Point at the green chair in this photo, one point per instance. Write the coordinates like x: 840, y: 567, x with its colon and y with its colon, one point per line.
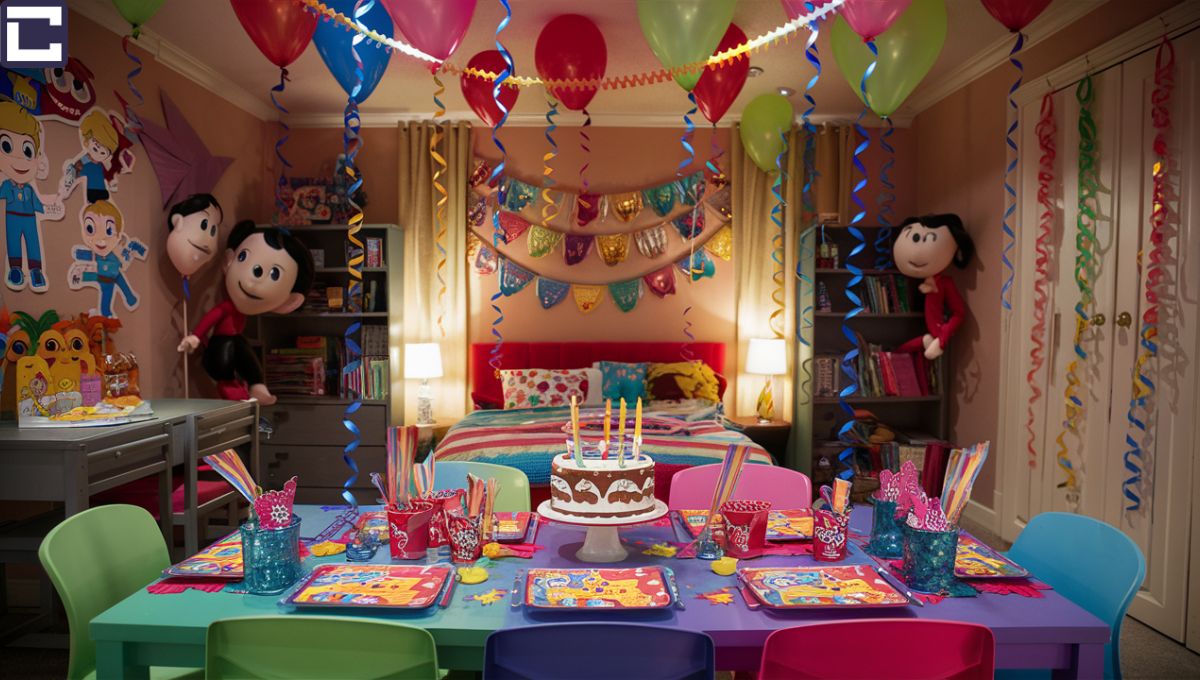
x: 96, y: 559
x: 319, y: 647
x: 514, y: 485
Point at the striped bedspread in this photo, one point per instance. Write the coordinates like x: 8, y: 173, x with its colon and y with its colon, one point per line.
x: 528, y: 439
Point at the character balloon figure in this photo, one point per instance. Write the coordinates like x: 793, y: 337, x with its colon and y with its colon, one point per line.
x: 194, y: 230
x: 926, y: 247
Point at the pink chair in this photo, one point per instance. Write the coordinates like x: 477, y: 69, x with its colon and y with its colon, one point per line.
x: 901, y: 649
x: 692, y: 488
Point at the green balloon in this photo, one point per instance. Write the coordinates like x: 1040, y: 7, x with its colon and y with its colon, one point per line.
x: 907, y: 51
x: 137, y: 12
x: 684, y: 31
x: 764, y: 121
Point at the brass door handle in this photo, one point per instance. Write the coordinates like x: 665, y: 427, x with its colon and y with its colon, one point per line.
x: 1098, y: 319
x: 1124, y: 319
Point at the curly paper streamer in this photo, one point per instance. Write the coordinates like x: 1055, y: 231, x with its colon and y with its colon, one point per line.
x: 845, y: 457
x: 1085, y: 273
x: 497, y: 232
x: 1047, y: 128
x: 549, y: 206
x: 887, y: 201
x: 1010, y: 192
x: 131, y: 118
x: 443, y: 200
x: 686, y: 142
x: 284, y: 130
x: 585, y: 145
x: 1141, y: 404
x: 778, y: 294
x: 808, y: 209
x: 713, y: 164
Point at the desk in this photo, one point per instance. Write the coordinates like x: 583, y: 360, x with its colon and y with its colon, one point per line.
x: 169, y: 630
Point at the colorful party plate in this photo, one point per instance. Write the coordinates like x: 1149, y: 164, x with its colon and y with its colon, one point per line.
x: 782, y: 525
x: 576, y: 589
x: 370, y: 586
x: 222, y: 559
x: 849, y: 586
x: 976, y: 560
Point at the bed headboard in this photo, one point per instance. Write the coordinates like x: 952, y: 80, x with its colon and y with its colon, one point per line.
x: 485, y: 385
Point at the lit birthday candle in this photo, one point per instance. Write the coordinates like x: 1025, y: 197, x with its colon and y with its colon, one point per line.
x: 575, y: 431
x: 637, y: 429
x: 607, y: 425
x: 621, y: 435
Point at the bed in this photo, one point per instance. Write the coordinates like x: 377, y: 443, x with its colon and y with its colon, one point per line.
x: 675, y: 436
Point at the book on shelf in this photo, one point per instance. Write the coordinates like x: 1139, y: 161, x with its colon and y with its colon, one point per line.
x: 886, y: 294
x: 374, y: 339
x: 368, y: 381
x: 374, y: 251
x: 894, y: 374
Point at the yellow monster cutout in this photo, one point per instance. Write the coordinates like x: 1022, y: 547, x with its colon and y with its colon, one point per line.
x: 77, y: 350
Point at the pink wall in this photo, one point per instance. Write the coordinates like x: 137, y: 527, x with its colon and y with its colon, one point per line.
x: 242, y: 191
x: 960, y: 165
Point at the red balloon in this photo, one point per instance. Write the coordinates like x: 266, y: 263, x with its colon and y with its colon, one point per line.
x: 718, y: 87
x: 478, y: 91
x: 280, y: 28
x: 869, y: 18
x: 570, y: 47
x: 1015, y: 14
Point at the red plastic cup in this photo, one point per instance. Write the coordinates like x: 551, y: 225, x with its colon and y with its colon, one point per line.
x: 466, y: 544
x: 745, y: 527
x: 829, y: 535
x: 408, y: 529
x: 446, y: 498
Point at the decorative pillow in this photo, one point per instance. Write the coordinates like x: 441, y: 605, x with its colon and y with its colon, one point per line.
x: 683, y: 380
x: 623, y: 381
x: 543, y: 387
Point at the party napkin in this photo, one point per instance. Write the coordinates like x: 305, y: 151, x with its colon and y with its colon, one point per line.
x: 274, y: 508
x: 926, y: 513
x: 176, y: 585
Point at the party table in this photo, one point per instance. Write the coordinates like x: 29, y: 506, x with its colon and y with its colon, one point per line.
x: 1050, y: 632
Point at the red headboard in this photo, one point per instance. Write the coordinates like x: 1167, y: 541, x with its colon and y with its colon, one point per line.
x: 485, y: 385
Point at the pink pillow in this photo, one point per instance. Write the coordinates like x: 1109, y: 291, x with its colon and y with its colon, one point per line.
x: 544, y: 387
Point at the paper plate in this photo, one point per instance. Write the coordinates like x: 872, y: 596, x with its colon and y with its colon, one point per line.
x: 590, y: 589
x: 370, y: 586
x: 827, y: 587
x: 976, y: 560
x: 222, y: 559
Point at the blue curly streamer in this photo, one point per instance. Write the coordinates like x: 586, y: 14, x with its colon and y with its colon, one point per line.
x: 1010, y: 192
x: 804, y: 323
x: 887, y: 201
x: 686, y: 142
x: 846, y: 456
x: 284, y: 131
x: 497, y: 230
x: 778, y: 295
x: 135, y: 123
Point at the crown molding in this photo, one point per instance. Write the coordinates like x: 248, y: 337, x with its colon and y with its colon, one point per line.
x: 379, y: 119
x: 173, y: 57
x: 1056, y: 17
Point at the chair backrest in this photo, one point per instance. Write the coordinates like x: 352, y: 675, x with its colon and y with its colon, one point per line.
x: 1090, y: 563
x: 899, y: 649
x: 318, y: 647
x: 599, y: 651
x: 95, y: 559
x: 514, y: 484
x: 692, y: 488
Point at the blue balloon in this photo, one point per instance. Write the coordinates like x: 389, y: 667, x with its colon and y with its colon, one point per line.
x: 333, y: 41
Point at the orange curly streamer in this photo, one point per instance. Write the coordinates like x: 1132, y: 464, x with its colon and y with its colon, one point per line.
x: 443, y: 200
x: 1046, y: 131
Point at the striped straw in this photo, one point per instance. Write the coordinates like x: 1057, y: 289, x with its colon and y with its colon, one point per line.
x: 229, y: 465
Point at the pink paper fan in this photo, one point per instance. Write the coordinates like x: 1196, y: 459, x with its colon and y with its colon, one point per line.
x: 274, y: 508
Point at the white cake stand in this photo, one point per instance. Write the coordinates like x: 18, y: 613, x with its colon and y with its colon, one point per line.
x: 602, y: 544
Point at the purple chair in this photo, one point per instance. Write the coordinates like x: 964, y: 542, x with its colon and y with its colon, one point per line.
x: 598, y: 651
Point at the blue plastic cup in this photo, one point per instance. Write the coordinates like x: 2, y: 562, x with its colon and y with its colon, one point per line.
x: 929, y: 559
x: 887, y: 540
x: 270, y: 557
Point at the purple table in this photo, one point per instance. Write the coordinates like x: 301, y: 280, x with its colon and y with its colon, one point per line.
x: 1030, y: 633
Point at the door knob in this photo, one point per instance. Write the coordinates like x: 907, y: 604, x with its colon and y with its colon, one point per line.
x: 1124, y: 319
x: 1098, y: 319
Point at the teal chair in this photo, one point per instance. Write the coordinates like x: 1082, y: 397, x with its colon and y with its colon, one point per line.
x: 1088, y: 562
x: 96, y: 559
x: 318, y: 647
x: 514, y: 485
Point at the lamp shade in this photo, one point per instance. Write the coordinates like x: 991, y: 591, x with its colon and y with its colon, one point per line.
x: 767, y: 356
x: 422, y: 360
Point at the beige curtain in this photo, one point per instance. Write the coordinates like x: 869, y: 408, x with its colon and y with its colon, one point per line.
x: 423, y: 302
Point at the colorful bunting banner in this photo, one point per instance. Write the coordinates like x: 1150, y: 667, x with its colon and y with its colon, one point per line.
x: 485, y: 261
x: 614, y: 248
x: 478, y: 212
x: 661, y: 199
x: 652, y: 242
x: 627, y: 206
x: 700, y: 267
x: 689, y: 225
x: 662, y: 281
x: 587, y: 208
x: 551, y: 292
x: 587, y: 298
x: 577, y: 247
x: 542, y: 240
x: 721, y: 243
x: 626, y: 293
x: 512, y: 225
x: 515, y: 194
x: 513, y: 277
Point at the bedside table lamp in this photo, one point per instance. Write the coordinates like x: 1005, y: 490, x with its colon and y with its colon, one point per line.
x: 422, y: 361
x: 767, y: 357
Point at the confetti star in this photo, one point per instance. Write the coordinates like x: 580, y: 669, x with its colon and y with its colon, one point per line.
x: 661, y: 550
x: 490, y: 597
x: 722, y: 596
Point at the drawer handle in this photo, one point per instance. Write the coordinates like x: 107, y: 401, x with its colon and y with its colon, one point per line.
x: 118, y: 454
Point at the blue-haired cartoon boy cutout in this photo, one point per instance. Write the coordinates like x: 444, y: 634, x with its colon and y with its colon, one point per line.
x: 23, y: 160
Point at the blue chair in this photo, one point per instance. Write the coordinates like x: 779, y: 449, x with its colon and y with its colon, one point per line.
x: 598, y: 651
x: 1088, y: 562
x: 514, y: 484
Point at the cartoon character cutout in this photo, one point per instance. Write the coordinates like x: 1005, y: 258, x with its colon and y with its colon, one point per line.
x: 105, y: 254
x: 925, y: 249
x: 68, y: 92
x: 193, y: 233
x: 22, y: 161
x: 106, y: 153
x: 24, y: 336
x: 267, y: 270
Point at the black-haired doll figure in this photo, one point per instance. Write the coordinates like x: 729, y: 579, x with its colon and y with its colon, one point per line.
x: 925, y: 249
x: 193, y: 233
x: 267, y: 270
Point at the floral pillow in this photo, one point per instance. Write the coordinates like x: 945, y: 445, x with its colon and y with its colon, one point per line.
x: 543, y: 387
x: 623, y: 381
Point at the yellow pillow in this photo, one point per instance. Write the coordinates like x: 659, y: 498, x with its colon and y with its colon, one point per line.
x: 694, y: 380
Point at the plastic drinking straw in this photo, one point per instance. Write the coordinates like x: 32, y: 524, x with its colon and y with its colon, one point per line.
x: 378, y: 482
x: 229, y: 465
x: 607, y: 427
x: 841, y: 495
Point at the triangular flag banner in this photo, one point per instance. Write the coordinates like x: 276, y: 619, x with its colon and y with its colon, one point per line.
x: 517, y: 194
x: 478, y: 212
x: 551, y: 292
x: 691, y: 189
x: 614, y: 248
x: 721, y: 243
x: 587, y: 207
x: 513, y: 277
x: 626, y: 205
x: 485, y: 260
x: 626, y: 293
x: 652, y: 242
x: 700, y: 267
x: 661, y: 282
x: 512, y: 226
x: 721, y: 202
x: 660, y: 198
x: 690, y: 224
x: 542, y: 240
x: 473, y: 244
x: 587, y: 298
x: 577, y: 247
x: 481, y: 173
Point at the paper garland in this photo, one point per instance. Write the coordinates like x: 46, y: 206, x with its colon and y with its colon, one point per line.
x: 652, y: 242
x: 576, y: 247
x: 513, y: 277
x: 721, y: 243
x: 613, y: 248
x: 587, y: 298
x: 626, y: 294
x: 542, y: 241
x: 551, y: 292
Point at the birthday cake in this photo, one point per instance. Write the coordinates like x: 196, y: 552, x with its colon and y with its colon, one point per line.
x: 602, y: 487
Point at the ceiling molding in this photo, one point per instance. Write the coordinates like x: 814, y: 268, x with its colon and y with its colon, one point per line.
x: 1055, y: 18
x: 171, y: 56
x: 619, y: 120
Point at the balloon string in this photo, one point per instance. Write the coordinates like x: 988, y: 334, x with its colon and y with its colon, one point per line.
x: 585, y: 144
x: 690, y: 152
x: 713, y: 164
x: 1143, y: 387
x: 1010, y: 192
x: 549, y: 205
x: 497, y: 230
x: 1047, y: 128
x: 1085, y: 272
x: 135, y: 123
x: 778, y: 295
x: 887, y: 201
x: 846, y: 456
x: 352, y: 143
x: 807, y: 252
x: 443, y: 199
x: 284, y: 130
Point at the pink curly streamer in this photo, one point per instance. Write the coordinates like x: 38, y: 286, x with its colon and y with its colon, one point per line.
x: 1046, y: 130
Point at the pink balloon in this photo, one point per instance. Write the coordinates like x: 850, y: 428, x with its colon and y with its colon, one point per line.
x: 796, y: 8
x: 436, y: 27
x: 1015, y: 14
x: 869, y: 18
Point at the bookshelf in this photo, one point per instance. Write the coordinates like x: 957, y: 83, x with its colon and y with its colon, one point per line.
x: 296, y: 348
x: 911, y: 401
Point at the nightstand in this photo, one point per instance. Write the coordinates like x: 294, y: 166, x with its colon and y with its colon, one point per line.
x: 429, y: 436
x: 772, y: 436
